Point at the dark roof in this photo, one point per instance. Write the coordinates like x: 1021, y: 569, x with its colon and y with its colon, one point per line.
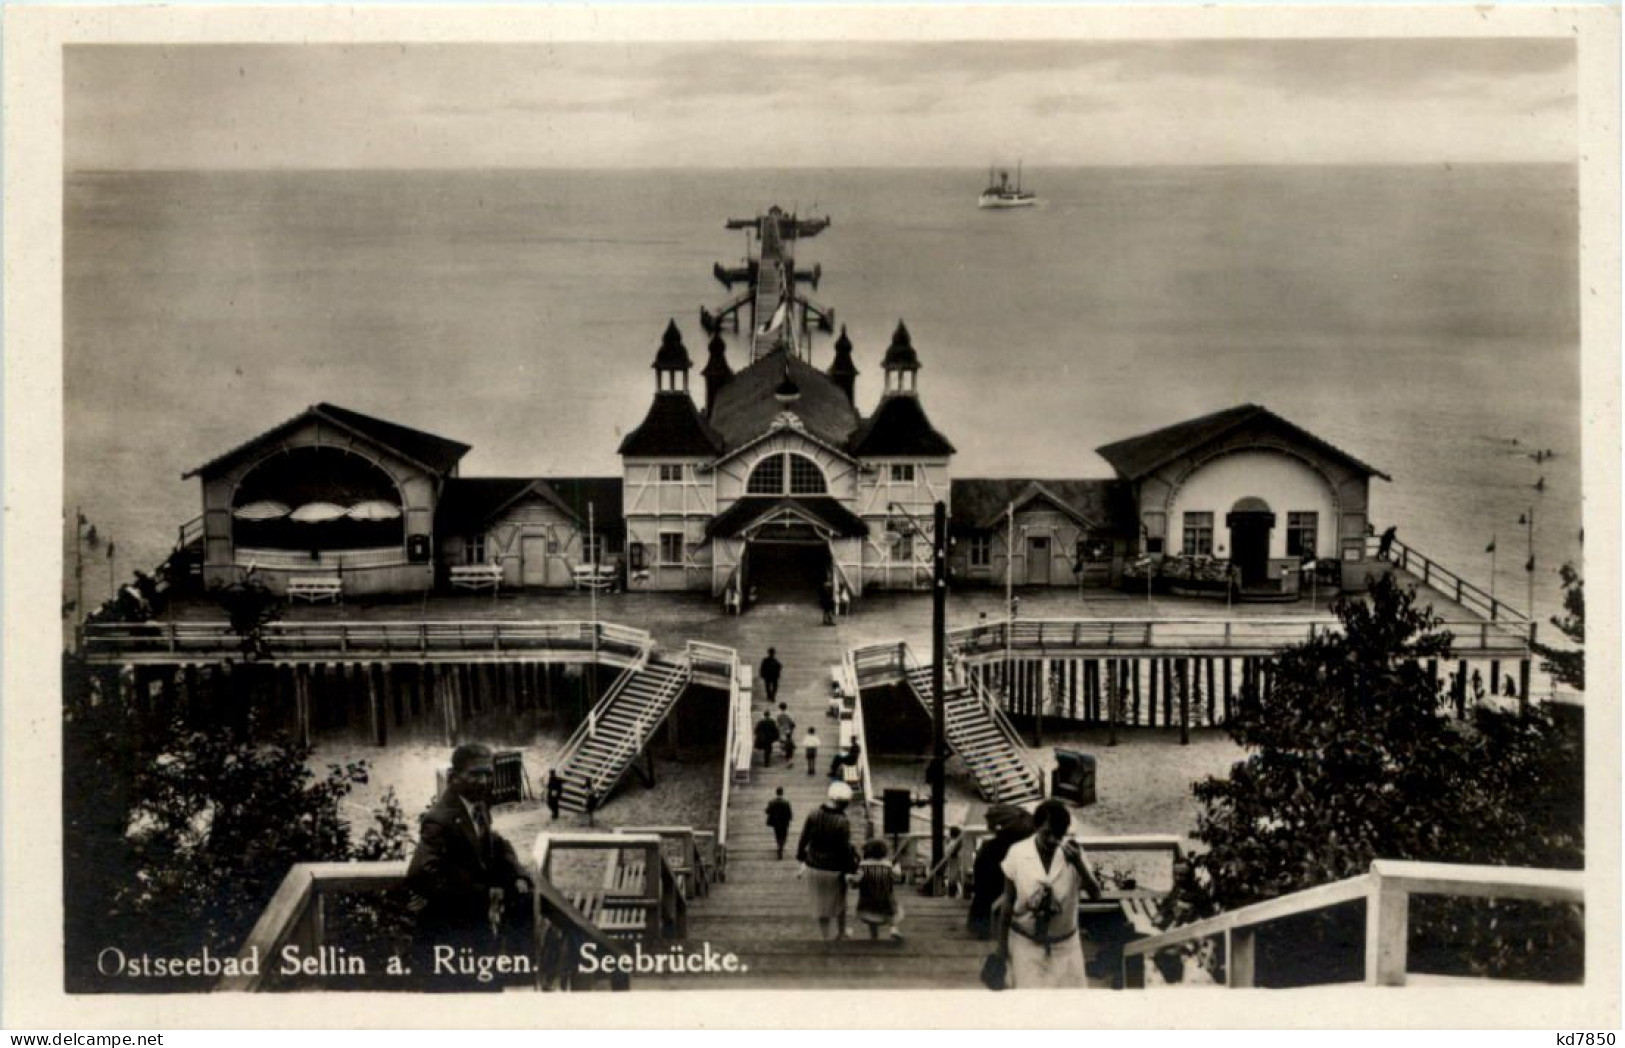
x: 842, y: 366
x: 900, y: 354
x: 604, y: 493
x: 674, y: 427
x: 745, y: 408
x: 436, y: 454
x: 899, y: 427
x: 672, y: 354
x: 469, y: 503
x: 822, y: 508
x: 1137, y: 456
x: 978, y: 503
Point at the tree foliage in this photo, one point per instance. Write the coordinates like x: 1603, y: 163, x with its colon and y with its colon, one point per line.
x: 177, y: 833
x: 1568, y: 665
x: 1357, y: 756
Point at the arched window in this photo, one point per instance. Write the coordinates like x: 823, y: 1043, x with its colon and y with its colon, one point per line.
x: 805, y: 476
x: 787, y: 474
x: 768, y: 477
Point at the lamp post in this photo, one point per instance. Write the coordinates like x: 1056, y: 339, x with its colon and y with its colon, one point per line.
x: 936, y: 772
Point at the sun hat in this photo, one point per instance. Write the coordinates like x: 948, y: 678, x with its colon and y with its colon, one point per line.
x: 840, y: 791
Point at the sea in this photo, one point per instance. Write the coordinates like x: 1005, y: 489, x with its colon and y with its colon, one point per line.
x: 1425, y: 319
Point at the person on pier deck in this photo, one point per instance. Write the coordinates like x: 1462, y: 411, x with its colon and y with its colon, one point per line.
x: 767, y: 736
x: 826, y: 857
x: 465, y: 883
x: 1043, y: 875
x: 779, y: 816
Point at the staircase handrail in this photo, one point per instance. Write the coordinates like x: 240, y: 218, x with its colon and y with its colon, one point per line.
x: 599, y: 709
x: 628, y: 744
x: 738, y: 706
x: 860, y: 736
x: 1386, y: 889
x: 973, y: 684
x: 1468, y: 595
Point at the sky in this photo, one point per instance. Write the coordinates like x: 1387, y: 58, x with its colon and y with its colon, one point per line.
x: 844, y: 104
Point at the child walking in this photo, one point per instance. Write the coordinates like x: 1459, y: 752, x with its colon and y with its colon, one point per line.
x: 876, y: 881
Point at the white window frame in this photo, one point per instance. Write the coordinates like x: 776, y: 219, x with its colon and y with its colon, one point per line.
x: 670, y: 472
x: 676, y: 538
x: 787, y: 469
x: 592, y: 549
x: 1192, y: 531
x: 981, y: 551
x: 902, y: 473
x: 1297, y: 527
x: 474, y: 548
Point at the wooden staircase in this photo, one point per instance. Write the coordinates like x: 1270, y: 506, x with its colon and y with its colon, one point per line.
x: 977, y: 732
x: 620, y: 726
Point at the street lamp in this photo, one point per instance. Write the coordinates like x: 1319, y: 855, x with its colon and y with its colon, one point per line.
x: 939, y: 644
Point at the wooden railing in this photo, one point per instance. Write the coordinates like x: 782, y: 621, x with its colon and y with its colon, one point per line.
x: 409, y: 641
x: 866, y: 783
x: 640, y: 901
x: 327, y: 561
x: 296, y: 916
x: 878, y: 663
x: 713, y: 664
x: 683, y: 853
x: 1386, y: 891
x: 626, y: 747
x: 1242, y: 636
x: 1452, y: 585
x: 189, y: 532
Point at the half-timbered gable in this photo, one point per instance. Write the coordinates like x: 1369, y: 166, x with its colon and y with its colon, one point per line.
x: 1033, y: 532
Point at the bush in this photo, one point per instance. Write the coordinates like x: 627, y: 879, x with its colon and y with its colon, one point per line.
x: 1357, y: 758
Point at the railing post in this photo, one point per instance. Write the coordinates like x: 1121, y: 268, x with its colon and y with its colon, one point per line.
x: 169, y: 631
x: 1387, y: 922
x: 1240, y: 955
x: 1458, y: 589
x: 1227, y: 633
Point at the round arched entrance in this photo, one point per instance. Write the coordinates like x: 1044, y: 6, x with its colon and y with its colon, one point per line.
x: 1250, y: 521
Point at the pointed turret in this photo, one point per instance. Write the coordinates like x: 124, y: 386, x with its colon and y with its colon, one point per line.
x: 671, y: 360
x: 717, y: 372
x: 899, y: 426
x: 902, y: 364
x: 673, y: 427
x: 842, y: 371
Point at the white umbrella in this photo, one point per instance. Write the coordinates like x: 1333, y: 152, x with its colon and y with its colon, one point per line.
x: 374, y: 509
x: 316, y: 512
x: 264, y: 510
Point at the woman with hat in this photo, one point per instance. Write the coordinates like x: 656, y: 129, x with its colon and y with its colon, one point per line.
x: 1006, y: 824
x: 826, y: 857
x: 1038, y: 928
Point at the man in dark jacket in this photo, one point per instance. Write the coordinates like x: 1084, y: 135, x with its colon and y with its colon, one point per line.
x: 779, y: 816
x: 467, y: 888
x: 767, y: 734
x: 770, y: 670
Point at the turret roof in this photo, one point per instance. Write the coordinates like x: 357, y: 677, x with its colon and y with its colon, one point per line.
x: 672, y: 428
x: 899, y: 426
x: 900, y: 355
x: 672, y: 355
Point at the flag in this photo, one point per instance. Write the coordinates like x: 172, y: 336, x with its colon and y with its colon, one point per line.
x: 1491, y: 547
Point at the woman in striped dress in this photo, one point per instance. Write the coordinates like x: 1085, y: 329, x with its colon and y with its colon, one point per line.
x: 826, y: 858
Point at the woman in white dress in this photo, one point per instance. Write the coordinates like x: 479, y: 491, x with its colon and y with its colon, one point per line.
x: 1038, y: 925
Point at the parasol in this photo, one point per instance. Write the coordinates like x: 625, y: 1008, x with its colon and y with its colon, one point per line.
x: 263, y: 510
x: 316, y: 513
x: 374, y: 509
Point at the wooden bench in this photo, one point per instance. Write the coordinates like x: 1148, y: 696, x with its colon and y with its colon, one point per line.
x: 315, y: 587
x: 585, y: 576
x: 476, y: 576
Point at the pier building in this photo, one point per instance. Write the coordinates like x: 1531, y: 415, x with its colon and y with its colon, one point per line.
x: 774, y: 482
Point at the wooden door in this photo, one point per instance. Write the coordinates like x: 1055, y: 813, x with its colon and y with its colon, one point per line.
x: 1038, y: 560
x: 533, y: 556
